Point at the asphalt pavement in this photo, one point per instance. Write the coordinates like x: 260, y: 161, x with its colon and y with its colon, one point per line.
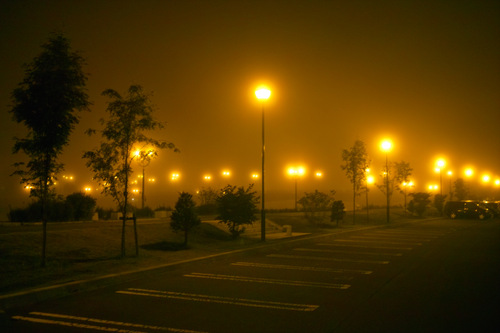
x: 434, y: 276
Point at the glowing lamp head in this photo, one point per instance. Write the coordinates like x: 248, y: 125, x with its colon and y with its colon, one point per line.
x: 386, y: 145
x: 263, y: 93
x: 440, y: 163
x: 469, y: 172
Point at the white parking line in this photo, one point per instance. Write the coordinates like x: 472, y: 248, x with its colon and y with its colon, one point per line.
x: 371, y: 241
x: 220, y: 299
x: 302, y: 268
x: 389, y: 237
x: 365, y: 246
x: 85, y: 320
x: 328, y: 259
x: 350, y: 252
x: 270, y: 281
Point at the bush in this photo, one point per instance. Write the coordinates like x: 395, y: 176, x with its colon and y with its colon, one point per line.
x: 80, y: 207
x: 76, y: 207
x: 316, y: 206
x: 144, y: 212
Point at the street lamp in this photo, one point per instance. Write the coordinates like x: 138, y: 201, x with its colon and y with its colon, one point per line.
x: 296, y: 173
x: 440, y: 165
x: 144, y: 158
x: 450, y: 174
x: 263, y: 94
x: 386, y: 146
x: 369, y: 180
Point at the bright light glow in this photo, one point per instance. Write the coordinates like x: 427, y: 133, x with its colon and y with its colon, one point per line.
x: 174, y: 176
x: 255, y: 175
x: 433, y: 187
x: 469, y: 172
x: 497, y: 182
x: 226, y: 173
x: 151, y: 180
x: 319, y: 174
x: 386, y: 145
x: 440, y: 163
x: 486, y: 178
x: 262, y: 93
x: 135, y: 191
x: 137, y: 153
x: 207, y: 177
x: 87, y: 189
x: 370, y: 179
x: 296, y: 171
x: 437, y: 170
x: 450, y: 173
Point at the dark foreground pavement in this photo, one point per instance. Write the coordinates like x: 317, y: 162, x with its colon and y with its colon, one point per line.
x: 433, y: 276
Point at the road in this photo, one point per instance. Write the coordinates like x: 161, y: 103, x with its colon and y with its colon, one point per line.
x: 434, y: 276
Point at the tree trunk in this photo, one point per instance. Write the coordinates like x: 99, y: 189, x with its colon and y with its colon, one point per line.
x: 136, y: 238
x: 354, y: 202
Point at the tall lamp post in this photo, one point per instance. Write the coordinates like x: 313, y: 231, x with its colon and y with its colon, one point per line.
x: 263, y: 94
x: 386, y: 147
x: 450, y: 173
x: 144, y: 160
x: 296, y: 173
x: 440, y: 165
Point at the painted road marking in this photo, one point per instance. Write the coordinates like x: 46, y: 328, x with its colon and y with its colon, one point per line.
x: 269, y: 281
x: 328, y: 259
x: 384, y: 237
x: 220, y: 299
x: 365, y: 246
x: 302, y: 268
x: 370, y: 241
x: 86, y: 320
x: 349, y: 252
x: 410, y: 233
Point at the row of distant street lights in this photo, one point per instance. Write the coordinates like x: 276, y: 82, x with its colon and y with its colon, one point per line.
x: 263, y: 93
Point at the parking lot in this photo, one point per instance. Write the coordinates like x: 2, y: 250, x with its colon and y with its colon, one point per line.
x: 433, y: 276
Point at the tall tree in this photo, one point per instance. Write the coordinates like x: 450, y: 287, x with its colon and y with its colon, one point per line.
x: 46, y: 102
x: 129, y: 118
x: 355, y: 164
x: 403, y: 173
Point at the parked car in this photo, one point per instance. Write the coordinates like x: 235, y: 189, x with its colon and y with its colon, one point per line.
x: 493, y: 207
x: 466, y: 209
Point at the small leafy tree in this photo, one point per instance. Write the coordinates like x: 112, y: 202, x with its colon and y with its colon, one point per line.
x: 184, y: 217
x: 420, y: 202
x: 403, y: 173
x: 316, y: 205
x: 338, y: 211
x: 237, y: 207
x: 439, y: 203
x: 355, y: 164
x: 461, y: 190
x: 129, y: 118
x: 46, y: 100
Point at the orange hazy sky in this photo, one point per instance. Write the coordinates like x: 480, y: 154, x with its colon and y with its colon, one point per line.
x: 424, y: 73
